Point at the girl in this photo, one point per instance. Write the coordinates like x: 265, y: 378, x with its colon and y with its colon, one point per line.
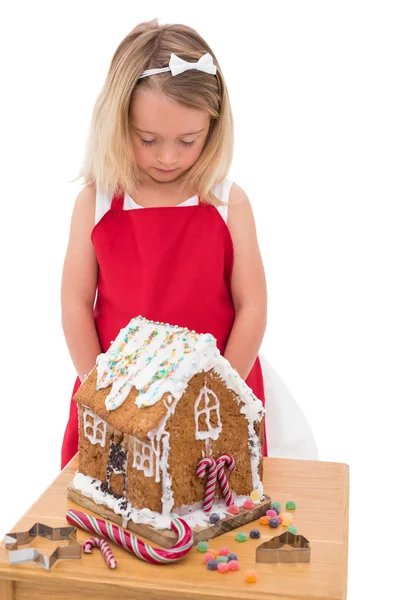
x: 158, y: 230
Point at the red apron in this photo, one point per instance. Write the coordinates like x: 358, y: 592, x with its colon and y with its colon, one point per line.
x: 171, y: 264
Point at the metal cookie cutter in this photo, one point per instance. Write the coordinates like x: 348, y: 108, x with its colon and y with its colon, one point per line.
x: 20, y: 538
x: 273, y: 552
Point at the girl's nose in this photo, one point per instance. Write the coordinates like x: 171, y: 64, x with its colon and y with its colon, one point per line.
x: 167, y: 158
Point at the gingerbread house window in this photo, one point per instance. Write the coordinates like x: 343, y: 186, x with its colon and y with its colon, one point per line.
x: 94, y: 427
x: 206, y: 414
x: 143, y: 457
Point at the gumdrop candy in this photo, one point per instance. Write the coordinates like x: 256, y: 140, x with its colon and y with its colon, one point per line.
x: 279, y: 519
x: 212, y: 565
x: 222, y: 559
x: 208, y: 557
x: 292, y: 529
x: 214, y: 518
x: 275, y: 505
x: 255, y: 534
x: 213, y: 552
x: 271, y: 513
x: 287, y: 519
x: 233, y: 509
x: 290, y: 505
x: 241, y: 536
x: 250, y: 576
x: 255, y: 495
x: 234, y: 565
x: 223, y: 567
x: 248, y: 504
x: 232, y: 556
x: 264, y: 520
x: 274, y: 523
x: 202, y: 546
x: 224, y: 551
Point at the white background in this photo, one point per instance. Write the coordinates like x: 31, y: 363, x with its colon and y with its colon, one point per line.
x: 315, y: 92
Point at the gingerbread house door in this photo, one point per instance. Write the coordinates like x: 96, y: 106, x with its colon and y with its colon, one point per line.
x: 116, y: 470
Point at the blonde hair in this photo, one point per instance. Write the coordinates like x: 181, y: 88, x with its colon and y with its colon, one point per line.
x: 108, y: 158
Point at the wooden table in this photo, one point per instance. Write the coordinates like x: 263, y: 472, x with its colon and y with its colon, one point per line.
x: 320, y: 490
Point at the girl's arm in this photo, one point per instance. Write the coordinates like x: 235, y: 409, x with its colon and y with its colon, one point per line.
x: 79, y: 283
x: 249, y: 288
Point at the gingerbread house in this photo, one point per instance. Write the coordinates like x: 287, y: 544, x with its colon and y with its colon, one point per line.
x: 158, y: 401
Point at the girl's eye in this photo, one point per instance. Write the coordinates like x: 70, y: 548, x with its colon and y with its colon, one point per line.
x: 147, y: 143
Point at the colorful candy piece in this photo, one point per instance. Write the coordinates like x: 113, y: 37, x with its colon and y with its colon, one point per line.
x: 223, y: 567
x: 212, y: 565
x: 202, y: 546
x: 274, y: 523
x: 241, y: 536
x: 232, y: 556
x: 279, y: 519
x: 234, y: 565
x: 214, y: 518
x: 255, y: 495
x: 255, y: 534
x: 290, y: 505
x: 271, y: 513
x: 275, y: 505
x: 292, y: 529
x: 224, y: 551
x: 208, y: 556
x: 212, y: 551
x: 233, y: 509
x: 264, y: 520
x: 222, y: 559
x: 250, y: 576
x: 248, y: 504
x: 287, y: 519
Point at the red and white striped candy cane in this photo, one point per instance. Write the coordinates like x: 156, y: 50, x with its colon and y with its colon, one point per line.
x: 229, y: 461
x: 129, y: 542
x: 105, y: 550
x: 210, y: 464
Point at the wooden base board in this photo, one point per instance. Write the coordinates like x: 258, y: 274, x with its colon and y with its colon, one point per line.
x: 166, y: 537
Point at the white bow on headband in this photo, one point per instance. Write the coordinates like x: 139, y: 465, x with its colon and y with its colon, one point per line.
x: 178, y: 65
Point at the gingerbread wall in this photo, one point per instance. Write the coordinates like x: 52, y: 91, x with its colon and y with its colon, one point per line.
x: 186, y: 450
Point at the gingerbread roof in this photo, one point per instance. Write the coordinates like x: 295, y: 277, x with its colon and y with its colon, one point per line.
x: 150, y: 361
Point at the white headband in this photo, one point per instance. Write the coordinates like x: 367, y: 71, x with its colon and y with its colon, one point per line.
x: 178, y: 65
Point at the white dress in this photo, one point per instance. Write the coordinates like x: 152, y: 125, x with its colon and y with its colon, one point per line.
x: 288, y: 432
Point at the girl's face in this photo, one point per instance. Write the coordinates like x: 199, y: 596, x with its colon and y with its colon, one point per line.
x: 167, y: 138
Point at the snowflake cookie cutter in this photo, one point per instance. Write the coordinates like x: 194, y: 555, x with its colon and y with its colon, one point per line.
x: 284, y: 548
x: 18, y: 555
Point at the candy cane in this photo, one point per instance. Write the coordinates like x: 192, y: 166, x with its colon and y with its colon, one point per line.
x: 105, y: 550
x: 222, y: 478
x: 210, y: 464
x: 129, y: 542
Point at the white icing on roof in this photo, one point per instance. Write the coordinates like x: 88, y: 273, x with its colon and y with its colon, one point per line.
x: 158, y: 358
